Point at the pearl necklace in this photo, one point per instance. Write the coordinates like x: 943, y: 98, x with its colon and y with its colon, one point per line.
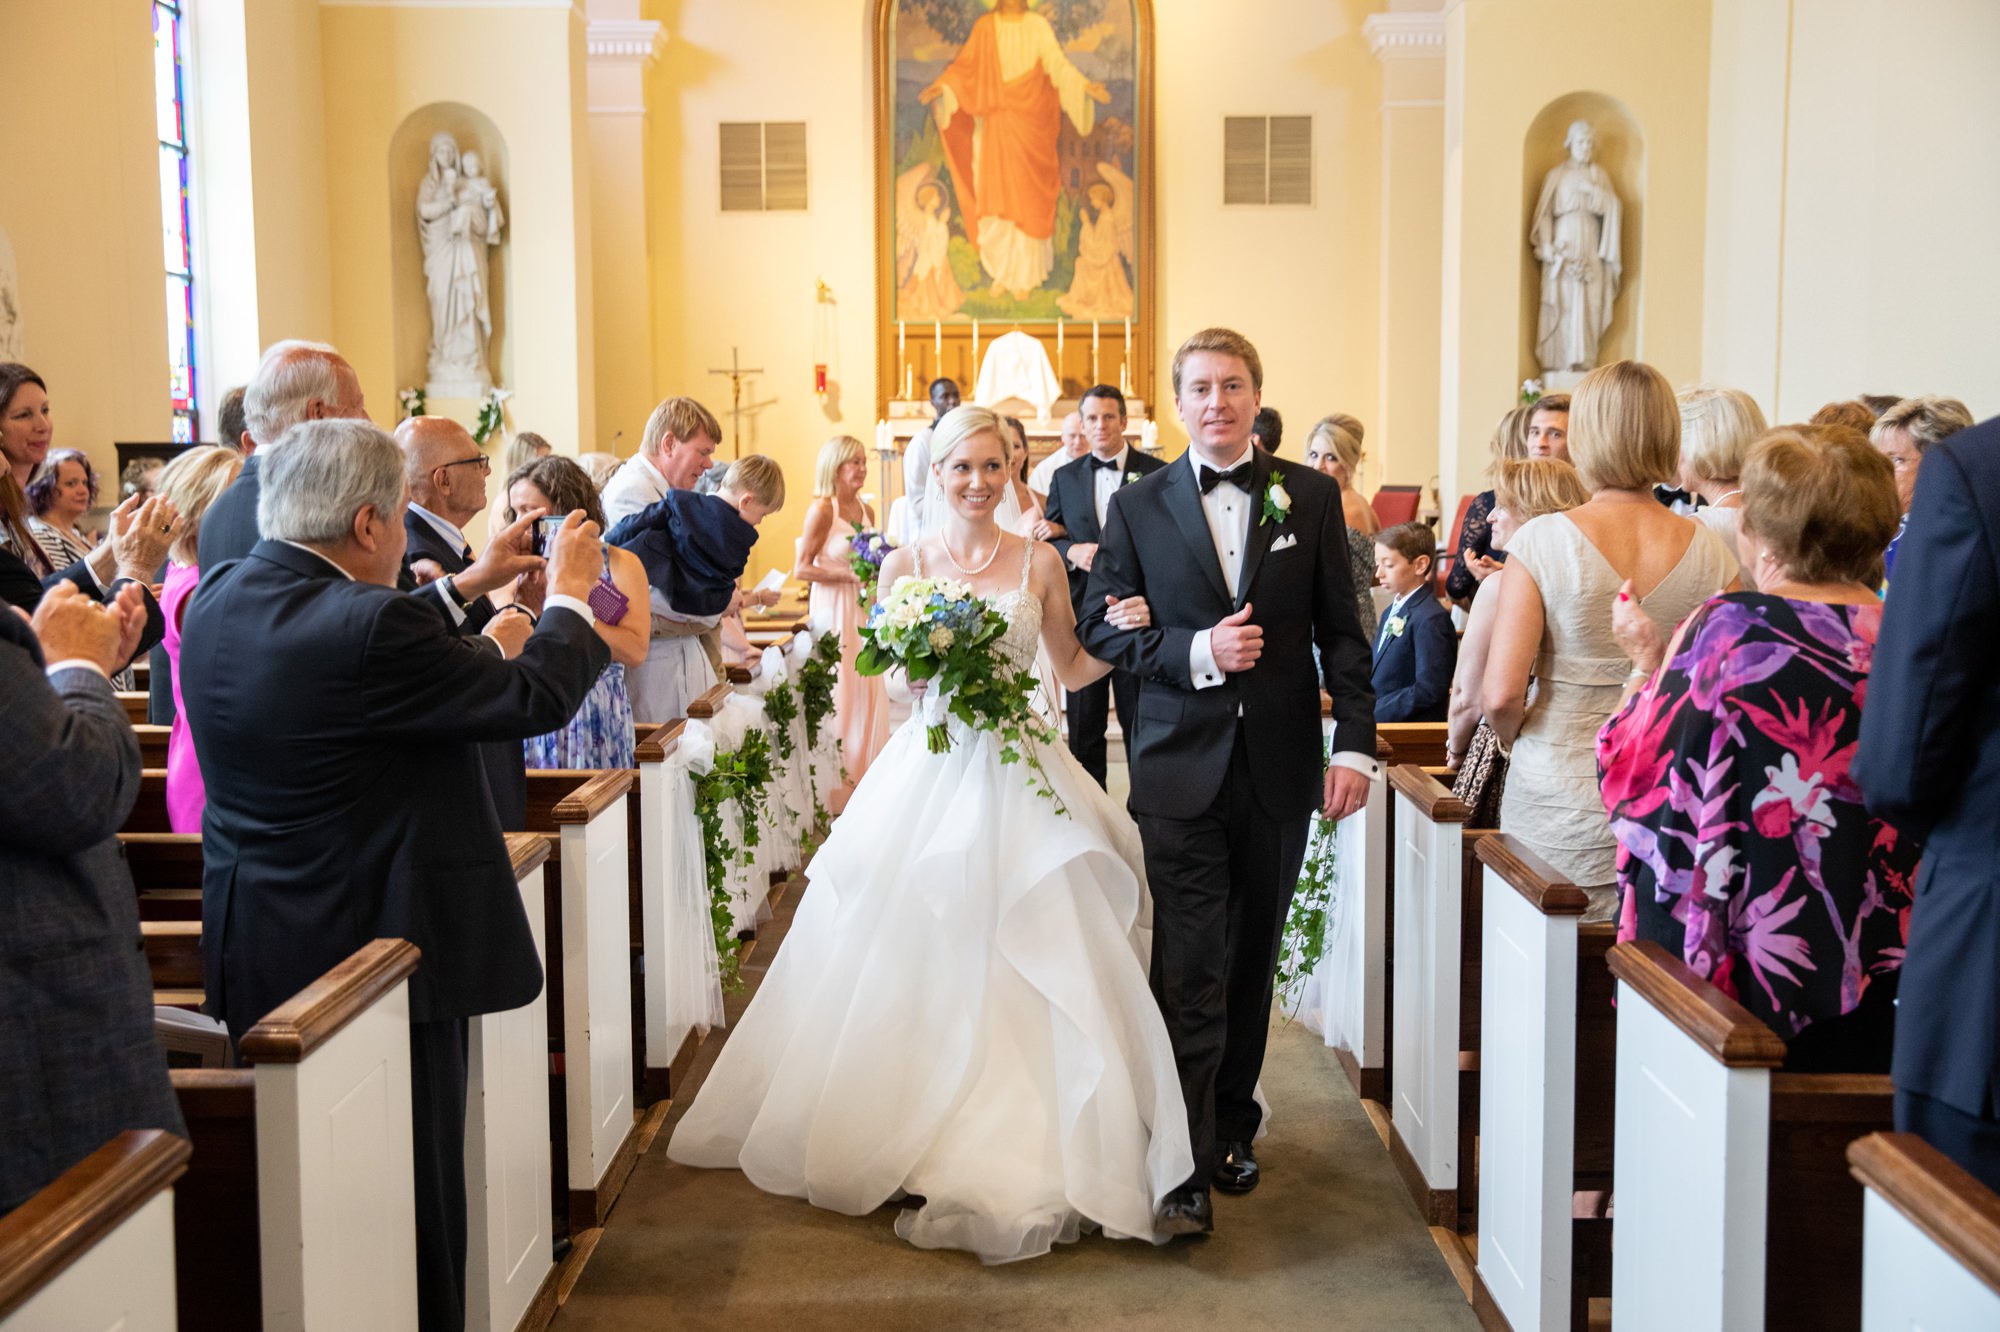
x: 970, y: 573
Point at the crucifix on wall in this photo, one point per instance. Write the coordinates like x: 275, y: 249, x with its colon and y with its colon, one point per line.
x: 737, y: 372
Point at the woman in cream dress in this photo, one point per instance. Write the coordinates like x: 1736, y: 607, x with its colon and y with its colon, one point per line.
x: 1565, y: 573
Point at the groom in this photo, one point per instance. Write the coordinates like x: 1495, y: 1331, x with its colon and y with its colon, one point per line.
x: 1243, y: 559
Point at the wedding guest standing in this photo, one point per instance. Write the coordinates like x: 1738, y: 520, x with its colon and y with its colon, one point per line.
x: 1929, y: 763
x: 192, y: 482
x: 1564, y: 572
x: 1904, y: 434
x: 1416, y: 647
x: 917, y: 462
x: 1718, y: 426
x: 59, y: 497
x: 1334, y: 449
x: 836, y: 515
x: 1743, y: 846
x: 1071, y: 448
x: 1475, y: 559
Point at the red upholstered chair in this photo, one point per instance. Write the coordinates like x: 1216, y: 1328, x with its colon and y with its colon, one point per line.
x: 1398, y: 504
x: 1450, y: 556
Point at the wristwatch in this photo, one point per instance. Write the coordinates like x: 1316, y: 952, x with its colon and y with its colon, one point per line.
x: 458, y: 598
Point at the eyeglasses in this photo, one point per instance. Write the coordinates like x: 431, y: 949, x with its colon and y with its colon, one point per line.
x: 482, y: 462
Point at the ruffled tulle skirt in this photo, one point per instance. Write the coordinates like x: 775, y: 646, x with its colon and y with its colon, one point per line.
x: 960, y: 1013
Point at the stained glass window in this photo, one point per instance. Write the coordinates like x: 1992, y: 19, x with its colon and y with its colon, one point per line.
x: 170, y: 113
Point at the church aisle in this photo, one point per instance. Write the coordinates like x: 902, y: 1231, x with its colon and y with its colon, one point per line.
x: 1329, y: 1241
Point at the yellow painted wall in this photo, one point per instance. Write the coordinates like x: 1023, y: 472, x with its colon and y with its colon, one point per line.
x: 1301, y: 282
x: 1854, y: 182
x: 1506, y: 61
x: 82, y: 208
x: 522, y: 68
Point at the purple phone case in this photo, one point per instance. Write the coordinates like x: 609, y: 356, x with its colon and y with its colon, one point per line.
x: 608, y: 602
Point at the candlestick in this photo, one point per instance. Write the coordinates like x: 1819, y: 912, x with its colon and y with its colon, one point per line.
x: 885, y: 438
x: 908, y: 389
x: 975, y: 349
x: 937, y: 347
x: 1095, y: 378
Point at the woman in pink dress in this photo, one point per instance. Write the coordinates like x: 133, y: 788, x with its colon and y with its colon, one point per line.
x: 836, y: 515
x: 190, y: 483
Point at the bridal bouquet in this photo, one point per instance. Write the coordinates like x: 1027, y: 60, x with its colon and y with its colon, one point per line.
x: 941, y: 632
x: 865, y: 554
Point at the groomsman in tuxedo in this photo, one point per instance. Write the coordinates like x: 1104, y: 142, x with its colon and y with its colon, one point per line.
x: 1929, y: 762
x: 1243, y: 557
x: 1079, y: 497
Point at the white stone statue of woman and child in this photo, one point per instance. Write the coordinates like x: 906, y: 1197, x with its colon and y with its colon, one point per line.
x: 458, y: 220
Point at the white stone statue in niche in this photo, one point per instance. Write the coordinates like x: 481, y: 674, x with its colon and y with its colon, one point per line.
x: 11, y: 345
x: 1576, y: 237
x: 458, y: 219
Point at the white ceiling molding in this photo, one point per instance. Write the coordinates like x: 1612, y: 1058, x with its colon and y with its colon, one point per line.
x: 625, y: 39
x: 1405, y: 36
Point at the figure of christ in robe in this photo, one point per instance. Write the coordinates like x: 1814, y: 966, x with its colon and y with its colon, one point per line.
x: 999, y: 108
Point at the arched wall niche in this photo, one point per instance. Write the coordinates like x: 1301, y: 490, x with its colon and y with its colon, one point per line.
x: 409, y: 158
x: 1620, y: 148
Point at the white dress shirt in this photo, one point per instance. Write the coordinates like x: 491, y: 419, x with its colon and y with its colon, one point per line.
x: 631, y: 488
x: 1105, y: 481
x: 444, y: 527
x: 1043, y: 474
x: 916, y: 482
x: 1395, y: 609
x: 1228, y: 511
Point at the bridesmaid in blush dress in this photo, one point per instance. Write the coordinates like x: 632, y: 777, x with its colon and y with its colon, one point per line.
x: 190, y: 483
x: 836, y: 515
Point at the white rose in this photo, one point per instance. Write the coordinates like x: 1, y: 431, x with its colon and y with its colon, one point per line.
x: 941, y: 637
x: 1280, y: 496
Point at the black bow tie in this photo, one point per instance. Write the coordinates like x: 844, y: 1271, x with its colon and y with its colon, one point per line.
x: 1239, y: 476
x: 1096, y: 461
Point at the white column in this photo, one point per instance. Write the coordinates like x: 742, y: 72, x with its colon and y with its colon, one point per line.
x: 1409, y: 41
x: 621, y: 48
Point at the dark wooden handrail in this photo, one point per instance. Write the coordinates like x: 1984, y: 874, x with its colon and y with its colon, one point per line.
x: 736, y: 675
x: 1937, y: 1195
x: 526, y: 851
x: 710, y: 703
x: 300, y: 1025
x: 593, y: 797
x: 1728, y: 1031
x: 1415, y: 742
x: 44, y: 1235
x: 1547, y: 891
x: 655, y: 746
x: 1429, y: 795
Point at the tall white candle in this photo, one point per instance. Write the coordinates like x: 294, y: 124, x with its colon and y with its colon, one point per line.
x: 975, y: 348
x: 937, y: 347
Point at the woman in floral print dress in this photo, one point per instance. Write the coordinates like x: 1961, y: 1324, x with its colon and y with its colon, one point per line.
x: 1743, y: 845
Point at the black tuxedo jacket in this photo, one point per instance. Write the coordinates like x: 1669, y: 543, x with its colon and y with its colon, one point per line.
x: 1156, y: 542
x: 1073, y: 504
x: 20, y: 587
x: 1929, y: 762
x: 338, y: 725
x: 1413, y: 670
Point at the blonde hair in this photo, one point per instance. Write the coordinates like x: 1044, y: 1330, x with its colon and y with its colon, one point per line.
x: 758, y: 477
x: 683, y: 418
x: 1530, y: 487
x: 1509, y: 442
x: 1823, y: 501
x: 1342, y: 434
x: 1926, y: 419
x: 833, y: 455
x: 192, y: 482
x: 1718, y: 426
x: 959, y: 425
x: 1624, y: 427
x: 1228, y: 342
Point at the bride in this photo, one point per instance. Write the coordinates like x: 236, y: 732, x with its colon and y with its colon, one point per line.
x: 959, y: 1015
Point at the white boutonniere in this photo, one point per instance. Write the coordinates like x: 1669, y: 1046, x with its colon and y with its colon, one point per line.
x: 1277, y: 503
x: 1396, y: 626
x: 1130, y: 477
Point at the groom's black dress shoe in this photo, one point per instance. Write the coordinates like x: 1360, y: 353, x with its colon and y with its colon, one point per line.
x: 1237, y: 1171
x: 1185, y: 1212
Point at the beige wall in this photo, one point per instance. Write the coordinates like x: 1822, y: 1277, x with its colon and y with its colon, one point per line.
x: 1853, y: 187
x: 82, y: 209
x: 1505, y: 63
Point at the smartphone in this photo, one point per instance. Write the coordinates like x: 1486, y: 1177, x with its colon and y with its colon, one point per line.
x: 542, y: 538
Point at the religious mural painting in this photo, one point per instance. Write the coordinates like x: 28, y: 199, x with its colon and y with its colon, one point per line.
x: 1016, y: 162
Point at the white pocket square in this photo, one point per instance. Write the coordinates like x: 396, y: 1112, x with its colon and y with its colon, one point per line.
x: 1285, y: 542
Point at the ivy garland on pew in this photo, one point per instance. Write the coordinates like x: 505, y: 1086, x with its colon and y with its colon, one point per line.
x: 816, y: 684
x: 1304, y: 943
x: 742, y: 775
x: 781, y: 707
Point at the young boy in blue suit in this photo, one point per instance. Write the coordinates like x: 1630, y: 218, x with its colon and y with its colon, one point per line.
x: 1416, y: 647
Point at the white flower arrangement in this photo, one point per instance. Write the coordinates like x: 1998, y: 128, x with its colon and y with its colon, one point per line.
x: 1277, y: 503
x: 1396, y: 625
x: 1130, y: 477
x: 412, y: 399
x: 1531, y: 391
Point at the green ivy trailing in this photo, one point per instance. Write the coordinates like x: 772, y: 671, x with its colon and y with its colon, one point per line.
x: 1304, y: 943
x: 742, y: 775
x: 816, y: 684
x: 781, y: 707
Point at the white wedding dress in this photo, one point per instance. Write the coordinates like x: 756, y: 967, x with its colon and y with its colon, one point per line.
x: 960, y: 1011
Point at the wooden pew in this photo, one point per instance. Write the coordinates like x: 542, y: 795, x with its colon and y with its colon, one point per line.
x: 134, y: 701
x: 142, y: 673
x: 510, y: 1276
x: 149, y: 813
x: 95, y: 1249
x: 152, y: 744
x: 1435, y: 1109
x: 1931, y: 1248
x: 665, y: 1054
x: 1421, y: 743
x: 166, y: 870
x: 298, y: 1211
x: 1736, y: 1170
x: 587, y: 891
x: 173, y: 956
x: 1547, y: 1070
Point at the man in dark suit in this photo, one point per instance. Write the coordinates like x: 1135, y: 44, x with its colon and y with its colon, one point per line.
x: 1243, y: 558
x: 1929, y: 762
x: 337, y: 721
x: 77, y: 1039
x: 1079, y: 496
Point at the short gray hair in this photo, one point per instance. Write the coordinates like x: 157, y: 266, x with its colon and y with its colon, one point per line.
x: 325, y: 473
x: 292, y: 375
